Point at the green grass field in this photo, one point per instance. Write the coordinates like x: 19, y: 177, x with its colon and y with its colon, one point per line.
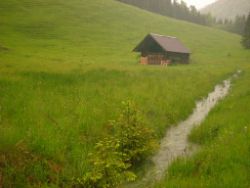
x: 65, y: 68
x: 225, y: 146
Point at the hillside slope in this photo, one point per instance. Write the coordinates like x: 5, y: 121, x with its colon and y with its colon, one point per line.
x: 229, y: 9
x: 65, y: 68
x: 60, y: 33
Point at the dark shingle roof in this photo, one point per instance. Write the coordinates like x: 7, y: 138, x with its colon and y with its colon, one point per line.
x: 167, y: 43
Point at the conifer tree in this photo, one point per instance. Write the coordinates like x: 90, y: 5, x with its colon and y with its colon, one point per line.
x: 246, y: 34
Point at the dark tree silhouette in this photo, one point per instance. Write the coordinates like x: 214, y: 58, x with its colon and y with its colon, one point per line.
x: 180, y: 10
x: 246, y: 34
x: 172, y: 9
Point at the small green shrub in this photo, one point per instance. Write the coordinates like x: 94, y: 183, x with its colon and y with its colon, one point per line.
x: 114, y: 156
x: 137, y: 141
x: 108, y: 168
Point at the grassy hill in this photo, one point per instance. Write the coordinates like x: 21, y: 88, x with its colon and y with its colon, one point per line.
x: 229, y: 9
x: 65, y: 68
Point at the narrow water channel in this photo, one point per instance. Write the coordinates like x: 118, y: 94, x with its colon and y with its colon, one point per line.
x: 175, y: 143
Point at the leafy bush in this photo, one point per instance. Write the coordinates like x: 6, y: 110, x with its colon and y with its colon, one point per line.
x: 137, y: 141
x: 108, y: 168
x: 114, y: 156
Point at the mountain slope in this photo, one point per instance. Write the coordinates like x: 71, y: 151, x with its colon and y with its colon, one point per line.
x: 65, y: 68
x: 229, y: 9
x: 42, y: 35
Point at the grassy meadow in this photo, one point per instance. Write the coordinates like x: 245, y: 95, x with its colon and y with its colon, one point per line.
x: 65, y: 68
x: 224, y: 137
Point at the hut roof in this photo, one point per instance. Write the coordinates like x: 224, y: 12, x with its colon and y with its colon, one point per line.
x: 166, y: 43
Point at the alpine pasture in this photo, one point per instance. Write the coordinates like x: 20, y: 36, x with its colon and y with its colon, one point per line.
x: 66, y: 67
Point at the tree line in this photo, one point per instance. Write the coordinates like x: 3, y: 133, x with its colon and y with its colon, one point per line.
x: 246, y: 34
x: 172, y: 9
x: 236, y: 26
x: 180, y: 10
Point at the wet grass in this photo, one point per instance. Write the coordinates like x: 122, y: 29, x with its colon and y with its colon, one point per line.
x: 69, y: 66
x: 223, y: 160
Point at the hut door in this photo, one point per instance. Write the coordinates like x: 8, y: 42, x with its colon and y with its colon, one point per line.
x: 155, y: 59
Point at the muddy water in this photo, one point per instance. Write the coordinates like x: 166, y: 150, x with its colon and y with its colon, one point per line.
x: 175, y: 143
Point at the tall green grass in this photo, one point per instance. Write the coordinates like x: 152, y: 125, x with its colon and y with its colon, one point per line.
x: 65, y: 68
x: 223, y: 160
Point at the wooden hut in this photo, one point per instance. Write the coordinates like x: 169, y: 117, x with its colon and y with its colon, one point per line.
x: 162, y: 50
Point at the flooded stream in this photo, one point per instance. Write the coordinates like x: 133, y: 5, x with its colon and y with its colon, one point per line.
x: 175, y: 143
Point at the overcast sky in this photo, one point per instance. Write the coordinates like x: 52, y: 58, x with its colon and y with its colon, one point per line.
x: 199, y: 3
